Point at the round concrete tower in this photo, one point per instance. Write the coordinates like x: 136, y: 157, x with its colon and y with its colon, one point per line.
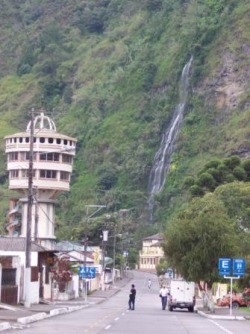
x: 52, y: 161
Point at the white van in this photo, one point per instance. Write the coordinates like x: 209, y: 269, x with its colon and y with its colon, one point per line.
x: 182, y: 295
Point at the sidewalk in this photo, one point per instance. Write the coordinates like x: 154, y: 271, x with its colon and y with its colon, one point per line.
x: 19, y: 316
x: 223, y: 312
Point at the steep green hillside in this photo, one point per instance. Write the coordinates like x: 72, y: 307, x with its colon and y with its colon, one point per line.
x: 107, y: 71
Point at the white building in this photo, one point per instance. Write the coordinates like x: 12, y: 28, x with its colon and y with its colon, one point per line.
x: 49, y: 169
x: 52, y: 161
x: 12, y: 274
x: 151, y: 252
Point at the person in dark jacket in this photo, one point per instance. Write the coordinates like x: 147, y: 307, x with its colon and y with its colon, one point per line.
x: 132, y: 294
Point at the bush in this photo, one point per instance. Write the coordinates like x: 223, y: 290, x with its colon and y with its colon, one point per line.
x: 240, y: 174
x: 27, y: 60
x: 212, y: 164
x: 152, y: 5
x: 107, y: 179
x: 246, y: 166
x: 206, y: 180
x: 215, y: 174
x: 232, y: 162
x: 189, y: 181
x: 196, y: 190
x: 24, y: 69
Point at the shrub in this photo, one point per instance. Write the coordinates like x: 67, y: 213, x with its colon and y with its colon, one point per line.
x: 246, y: 166
x: 239, y: 173
x: 23, y: 69
x: 107, y: 179
x: 152, y: 5
x: 206, y: 180
x: 189, y: 181
x: 196, y: 190
x: 232, y: 162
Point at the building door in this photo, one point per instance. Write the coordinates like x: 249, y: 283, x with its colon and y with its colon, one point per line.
x: 9, y: 288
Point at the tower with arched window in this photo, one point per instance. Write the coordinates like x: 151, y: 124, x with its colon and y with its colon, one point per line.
x: 52, y: 159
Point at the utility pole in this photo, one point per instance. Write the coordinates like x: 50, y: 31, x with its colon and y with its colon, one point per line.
x: 104, y: 241
x: 85, y: 266
x: 36, y: 216
x: 29, y: 217
x: 95, y: 208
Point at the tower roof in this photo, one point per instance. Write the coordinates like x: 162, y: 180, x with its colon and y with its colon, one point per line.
x: 42, y: 122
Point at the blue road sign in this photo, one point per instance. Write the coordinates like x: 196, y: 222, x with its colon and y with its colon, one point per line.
x: 86, y: 272
x: 225, y: 265
x: 239, y: 267
x: 169, y: 272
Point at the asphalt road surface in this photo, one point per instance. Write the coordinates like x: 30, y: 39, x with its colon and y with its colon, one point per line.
x: 113, y: 317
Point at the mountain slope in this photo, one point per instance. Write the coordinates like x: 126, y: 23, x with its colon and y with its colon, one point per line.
x: 108, y: 71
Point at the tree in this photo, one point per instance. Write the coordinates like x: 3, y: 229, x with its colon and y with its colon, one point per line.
x: 236, y: 200
x: 161, y: 268
x: 232, y: 162
x: 246, y: 166
x: 206, y: 180
x: 239, y: 173
x: 198, y: 236
x: 196, y: 190
x: 61, y: 271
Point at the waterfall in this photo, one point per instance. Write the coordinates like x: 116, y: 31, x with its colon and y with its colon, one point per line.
x: 162, y: 157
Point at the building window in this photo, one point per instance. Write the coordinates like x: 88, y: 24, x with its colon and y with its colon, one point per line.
x: 27, y: 140
x: 65, y: 142
x: 42, y: 140
x: 25, y: 156
x: 8, y: 276
x: 13, y: 156
x: 14, y: 174
x: 66, y: 158
x: 51, y: 140
x: 64, y: 176
x: 20, y: 140
x: 25, y: 173
x: 49, y: 156
x: 34, y: 274
x: 47, y: 174
x: 58, y: 141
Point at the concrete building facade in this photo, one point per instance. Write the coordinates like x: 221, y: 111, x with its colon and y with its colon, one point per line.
x: 151, y: 252
x: 52, y: 161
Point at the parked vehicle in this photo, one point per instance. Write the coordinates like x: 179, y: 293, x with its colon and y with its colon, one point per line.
x: 238, y: 300
x: 182, y: 295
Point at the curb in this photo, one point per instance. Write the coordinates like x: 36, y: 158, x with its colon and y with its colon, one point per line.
x: 4, y: 326
x: 52, y: 313
x: 221, y: 317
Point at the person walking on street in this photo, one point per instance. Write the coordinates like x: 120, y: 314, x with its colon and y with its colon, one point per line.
x: 132, y: 294
x: 149, y: 283
x: 163, y: 294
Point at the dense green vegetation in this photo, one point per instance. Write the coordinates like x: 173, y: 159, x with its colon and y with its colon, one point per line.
x: 107, y: 72
x: 211, y: 227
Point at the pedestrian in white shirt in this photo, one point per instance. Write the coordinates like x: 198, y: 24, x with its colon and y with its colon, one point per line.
x: 163, y: 294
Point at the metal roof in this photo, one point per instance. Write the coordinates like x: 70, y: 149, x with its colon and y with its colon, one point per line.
x: 18, y: 244
x: 157, y: 236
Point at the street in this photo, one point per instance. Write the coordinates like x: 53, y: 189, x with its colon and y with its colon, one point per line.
x: 113, y: 317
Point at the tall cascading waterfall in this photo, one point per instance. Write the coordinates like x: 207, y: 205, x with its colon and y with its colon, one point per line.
x: 162, y: 157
